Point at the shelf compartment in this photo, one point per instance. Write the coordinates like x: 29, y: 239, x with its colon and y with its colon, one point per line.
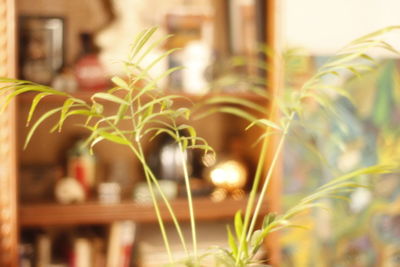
x: 95, y: 213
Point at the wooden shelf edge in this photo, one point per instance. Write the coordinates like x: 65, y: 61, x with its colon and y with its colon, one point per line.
x: 27, y: 98
x: 95, y: 213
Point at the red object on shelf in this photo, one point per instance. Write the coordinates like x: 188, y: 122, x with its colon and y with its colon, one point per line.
x: 81, y: 166
x: 80, y: 174
x: 90, y: 73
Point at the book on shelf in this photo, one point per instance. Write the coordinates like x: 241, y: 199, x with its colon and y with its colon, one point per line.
x: 120, y: 244
x: 43, y: 245
x: 82, y: 253
x: 88, y: 252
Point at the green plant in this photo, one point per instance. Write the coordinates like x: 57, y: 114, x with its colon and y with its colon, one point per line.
x: 150, y: 113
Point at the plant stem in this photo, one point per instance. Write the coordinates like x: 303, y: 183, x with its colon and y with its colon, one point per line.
x: 154, y: 179
x: 157, y: 210
x: 151, y: 179
x: 169, y: 207
x: 252, y: 197
x: 268, y: 176
x: 190, y: 201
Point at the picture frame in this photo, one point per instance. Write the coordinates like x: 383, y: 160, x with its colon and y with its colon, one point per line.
x: 41, y: 47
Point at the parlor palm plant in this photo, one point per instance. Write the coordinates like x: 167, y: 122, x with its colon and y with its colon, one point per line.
x: 150, y: 113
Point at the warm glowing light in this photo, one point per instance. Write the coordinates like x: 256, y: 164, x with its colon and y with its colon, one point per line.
x: 229, y: 175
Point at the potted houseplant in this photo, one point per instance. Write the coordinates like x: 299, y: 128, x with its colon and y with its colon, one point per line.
x: 151, y: 113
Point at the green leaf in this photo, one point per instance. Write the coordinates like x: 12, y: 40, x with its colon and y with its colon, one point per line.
x: 110, y: 136
x: 114, y: 138
x: 110, y: 97
x: 264, y: 122
x: 160, y: 122
x: 152, y: 117
x: 236, y: 100
x: 65, y: 108
x: 34, y: 104
x: 390, y: 48
x: 28, y: 88
x: 182, y: 112
x: 152, y: 47
x: 191, y: 131
x: 229, y: 110
x: 121, y: 113
x: 160, y: 100
x: 142, y: 39
x: 13, y: 81
x: 95, y: 142
x: 38, y: 122
x: 143, y: 73
x: 268, y: 219
x: 153, y: 83
x: 204, y: 147
x: 166, y: 104
x: 300, y: 208
x: 115, y: 89
x: 232, y: 242
x: 255, y: 240
x: 375, y: 169
x: 166, y: 131
x: 262, y: 137
x: 339, y: 90
x: 238, y: 223
x: 119, y: 82
x: 184, y: 143
x: 83, y: 112
x: 374, y: 34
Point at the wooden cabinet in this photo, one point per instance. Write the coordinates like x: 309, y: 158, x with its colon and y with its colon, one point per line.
x: 50, y: 213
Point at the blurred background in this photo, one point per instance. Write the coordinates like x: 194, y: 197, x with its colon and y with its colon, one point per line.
x: 76, y: 46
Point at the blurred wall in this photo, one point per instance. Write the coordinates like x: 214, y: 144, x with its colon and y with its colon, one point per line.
x: 323, y: 26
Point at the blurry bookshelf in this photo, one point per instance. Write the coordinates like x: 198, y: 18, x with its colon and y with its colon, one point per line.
x: 81, y: 210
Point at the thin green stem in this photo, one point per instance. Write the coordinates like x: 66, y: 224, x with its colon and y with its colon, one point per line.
x: 155, y: 181
x: 149, y: 182
x: 169, y: 207
x: 268, y: 176
x: 252, y: 197
x: 157, y: 210
x: 190, y: 201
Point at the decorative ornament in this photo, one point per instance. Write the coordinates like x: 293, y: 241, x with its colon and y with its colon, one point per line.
x: 68, y: 190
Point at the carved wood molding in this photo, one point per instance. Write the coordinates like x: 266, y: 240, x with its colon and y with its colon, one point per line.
x: 8, y: 177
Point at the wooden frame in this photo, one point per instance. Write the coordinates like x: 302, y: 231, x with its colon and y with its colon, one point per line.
x: 8, y: 173
x: 275, y: 78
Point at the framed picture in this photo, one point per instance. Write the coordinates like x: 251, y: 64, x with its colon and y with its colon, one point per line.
x: 41, y: 48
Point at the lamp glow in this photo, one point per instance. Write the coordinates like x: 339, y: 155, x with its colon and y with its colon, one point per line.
x: 229, y: 175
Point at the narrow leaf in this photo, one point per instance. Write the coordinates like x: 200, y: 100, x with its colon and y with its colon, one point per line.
x: 119, y: 82
x: 34, y: 104
x: 264, y: 122
x: 38, y: 122
x: 232, y: 242
x: 110, y: 97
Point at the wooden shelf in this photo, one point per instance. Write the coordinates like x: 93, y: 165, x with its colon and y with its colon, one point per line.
x: 96, y: 213
x: 26, y: 98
